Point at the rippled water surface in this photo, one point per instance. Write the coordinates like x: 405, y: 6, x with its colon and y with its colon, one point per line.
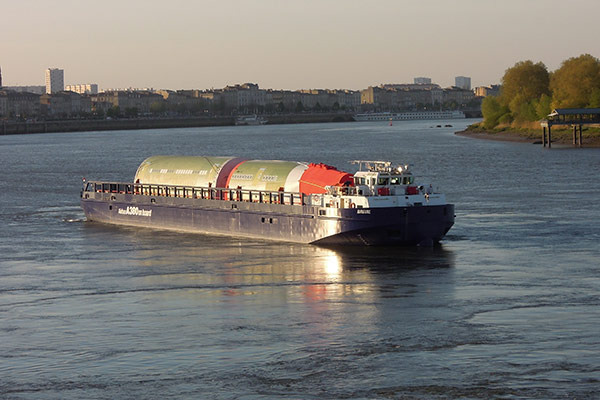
x: 507, y: 307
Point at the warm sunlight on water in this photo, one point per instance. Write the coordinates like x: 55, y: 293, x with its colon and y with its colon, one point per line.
x: 507, y: 307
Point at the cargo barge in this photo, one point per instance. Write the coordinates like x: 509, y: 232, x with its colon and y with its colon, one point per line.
x: 380, y: 204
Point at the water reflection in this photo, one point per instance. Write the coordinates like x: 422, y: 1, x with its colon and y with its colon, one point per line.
x: 205, y: 266
x: 333, y: 266
x: 397, y: 259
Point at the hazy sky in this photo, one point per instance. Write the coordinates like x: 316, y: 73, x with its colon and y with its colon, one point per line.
x: 284, y: 44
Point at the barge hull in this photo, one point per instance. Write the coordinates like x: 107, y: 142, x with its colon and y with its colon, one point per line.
x: 411, y: 225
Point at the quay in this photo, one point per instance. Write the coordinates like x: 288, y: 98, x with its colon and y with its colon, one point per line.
x: 83, y: 125
x: 575, y: 117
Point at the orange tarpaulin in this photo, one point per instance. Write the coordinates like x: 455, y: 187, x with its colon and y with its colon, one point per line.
x: 318, y: 176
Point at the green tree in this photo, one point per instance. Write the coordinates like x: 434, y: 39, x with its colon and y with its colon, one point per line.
x: 98, y: 113
x: 526, y: 79
x: 113, y: 112
x: 492, y: 112
x: 131, y: 112
x: 575, y: 81
x: 158, y: 107
x: 182, y: 109
x: 522, y: 86
x: 595, y: 98
x: 522, y: 110
x: 543, y: 106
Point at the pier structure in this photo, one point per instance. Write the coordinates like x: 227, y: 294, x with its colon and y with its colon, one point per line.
x: 575, y: 117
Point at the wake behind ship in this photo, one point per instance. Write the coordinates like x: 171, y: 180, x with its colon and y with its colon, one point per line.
x: 380, y: 204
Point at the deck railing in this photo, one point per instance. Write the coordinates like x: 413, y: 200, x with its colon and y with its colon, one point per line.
x: 207, y: 193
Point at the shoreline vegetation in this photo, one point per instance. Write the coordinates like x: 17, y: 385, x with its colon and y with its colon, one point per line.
x: 529, y: 93
x: 531, y: 133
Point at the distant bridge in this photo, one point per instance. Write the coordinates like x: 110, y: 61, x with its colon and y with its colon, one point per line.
x: 576, y: 117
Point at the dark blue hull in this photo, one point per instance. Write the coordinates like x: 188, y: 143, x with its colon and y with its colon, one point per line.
x: 295, y: 223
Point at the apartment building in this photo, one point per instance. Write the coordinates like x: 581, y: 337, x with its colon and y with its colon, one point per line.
x: 19, y: 105
x: 484, y: 91
x: 139, y: 100
x: 55, y: 80
x: 85, y: 88
x: 64, y: 104
x: 463, y: 82
x: 397, y: 97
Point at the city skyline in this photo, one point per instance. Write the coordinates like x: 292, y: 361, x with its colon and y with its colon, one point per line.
x: 327, y: 44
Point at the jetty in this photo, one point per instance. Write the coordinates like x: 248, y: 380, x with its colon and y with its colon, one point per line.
x: 575, y: 117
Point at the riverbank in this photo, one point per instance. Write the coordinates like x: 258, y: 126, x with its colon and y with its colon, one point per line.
x: 25, y: 127
x: 591, y: 136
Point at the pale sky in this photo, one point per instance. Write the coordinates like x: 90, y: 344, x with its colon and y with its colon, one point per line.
x: 284, y: 44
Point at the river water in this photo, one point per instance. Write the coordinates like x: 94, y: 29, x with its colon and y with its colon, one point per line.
x: 507, y: 307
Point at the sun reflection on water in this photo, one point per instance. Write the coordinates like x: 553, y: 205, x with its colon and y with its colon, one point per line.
x: 332, y: 265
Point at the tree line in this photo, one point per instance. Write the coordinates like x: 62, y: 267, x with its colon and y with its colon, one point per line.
x: 530, y: 92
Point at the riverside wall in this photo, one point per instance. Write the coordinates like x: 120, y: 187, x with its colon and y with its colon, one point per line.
x: 83, y: 125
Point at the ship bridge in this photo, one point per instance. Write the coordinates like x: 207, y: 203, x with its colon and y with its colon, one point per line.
x: 382, y: 178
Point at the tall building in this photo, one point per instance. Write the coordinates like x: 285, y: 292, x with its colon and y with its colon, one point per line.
x: 422, y: 81
x: 0, y: 78
x: 463, y: 82
x: 55, y: 80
